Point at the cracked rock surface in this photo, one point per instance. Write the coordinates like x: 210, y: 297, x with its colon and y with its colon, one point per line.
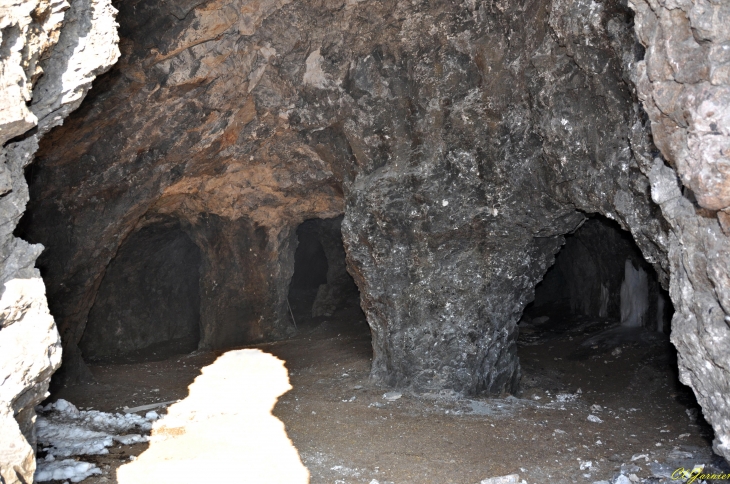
x: 684, y: 85
x: 50, y: 52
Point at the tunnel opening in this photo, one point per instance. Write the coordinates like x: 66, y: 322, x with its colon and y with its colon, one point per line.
x: 321, y: 285
x: 600, y: 273
x: 148, y: 303
x: 598, y: 329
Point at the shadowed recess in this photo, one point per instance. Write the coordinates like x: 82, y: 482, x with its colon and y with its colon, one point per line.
x: 148, y: 304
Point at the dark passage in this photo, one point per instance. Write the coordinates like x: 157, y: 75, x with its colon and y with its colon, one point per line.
x: 598, y: 330
x: 148, y: 304
x: 600, y: 273
x: 320, y: 284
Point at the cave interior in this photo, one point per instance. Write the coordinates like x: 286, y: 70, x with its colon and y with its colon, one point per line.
x: 599, y: 304
x: 424, y: 241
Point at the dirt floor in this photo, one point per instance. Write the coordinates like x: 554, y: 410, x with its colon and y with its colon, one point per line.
x: 644, y: 421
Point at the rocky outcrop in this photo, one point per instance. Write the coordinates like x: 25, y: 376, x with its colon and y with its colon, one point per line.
x: 524, y: 125
x: 49, y: 55
x: 462, y: 142
x: 684, y: 84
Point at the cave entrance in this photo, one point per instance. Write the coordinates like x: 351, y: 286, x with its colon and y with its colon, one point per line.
x: 148, y: 304
x: 321, y: 285
x: 600, y: 273
x: 598, y: 331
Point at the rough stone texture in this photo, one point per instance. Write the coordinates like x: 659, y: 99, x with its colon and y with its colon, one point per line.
x: 238, y: 181
x: 514, y: 122
x: 49, y: 54
x: 462, y: 142
x: 31, y: 351
x: 28, y: 30
x: 700, y: 291
x: 684, y: 84
x: 462, y: 156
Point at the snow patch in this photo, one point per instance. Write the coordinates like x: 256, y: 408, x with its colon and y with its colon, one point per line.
x: 67, y: 469
x: 64, y: 431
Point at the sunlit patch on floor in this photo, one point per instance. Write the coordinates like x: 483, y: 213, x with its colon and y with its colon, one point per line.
x: 224, y: 430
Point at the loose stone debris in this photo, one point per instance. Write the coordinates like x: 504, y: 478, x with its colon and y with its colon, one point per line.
x: 510, y: 479
x: 392, y: 396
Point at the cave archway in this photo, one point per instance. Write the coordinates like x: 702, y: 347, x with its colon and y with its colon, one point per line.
x: 148, y: 303
x: 601, y: 273
x: 598, y: 330
x: 320, y: 284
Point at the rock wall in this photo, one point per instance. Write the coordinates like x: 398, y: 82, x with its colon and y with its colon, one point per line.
x: 49, y: 55
x: 462, y: 141
x: 684, y: 85
x: 522, y: 119
x: 161, y: 137
x: 460, y: 156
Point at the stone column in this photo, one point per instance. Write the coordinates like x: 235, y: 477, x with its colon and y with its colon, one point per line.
x: 443, y: 283
x: 241, y: 300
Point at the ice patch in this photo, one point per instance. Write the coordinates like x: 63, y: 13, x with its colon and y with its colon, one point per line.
x: 63, y: 430
x: 634, y: 296
x: 67, y: 431
x: 66, y: 440
x: 67, y: 469
x: 510, y: 479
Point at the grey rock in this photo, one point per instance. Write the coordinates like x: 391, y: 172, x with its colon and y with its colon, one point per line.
x: 392, y: 396
x: 684, y: 87
x: 54, y: 52
x: 461, y: 143
x: 622, y: 479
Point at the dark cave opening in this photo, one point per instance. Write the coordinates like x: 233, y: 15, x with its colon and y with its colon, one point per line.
x: 599, y: 327
x: 320, y: 284
x: 601, y: 273
x: 148, y: 303
x: 310, y: 266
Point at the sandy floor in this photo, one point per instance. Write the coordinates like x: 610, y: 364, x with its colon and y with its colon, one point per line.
x: 346, y: 432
